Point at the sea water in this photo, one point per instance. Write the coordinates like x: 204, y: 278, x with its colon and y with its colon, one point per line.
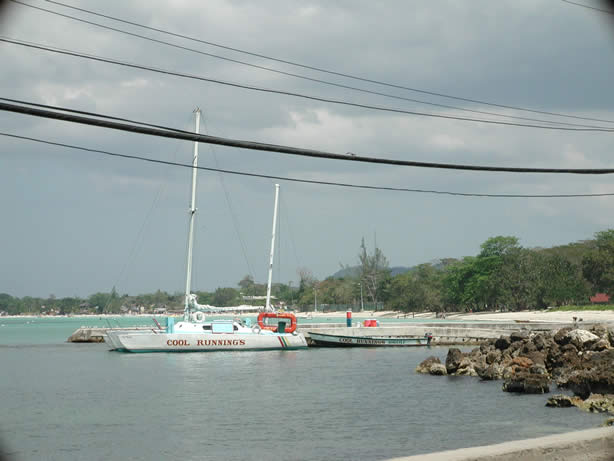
x: 61, y: 401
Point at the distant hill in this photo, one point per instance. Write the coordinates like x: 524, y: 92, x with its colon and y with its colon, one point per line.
x: 354, y: 271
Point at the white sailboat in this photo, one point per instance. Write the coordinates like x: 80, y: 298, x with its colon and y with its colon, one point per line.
x: 193, y: 333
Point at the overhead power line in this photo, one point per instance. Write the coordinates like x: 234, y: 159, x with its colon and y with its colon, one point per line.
x: 288, y: 93
x: 307, y: 181
x: 290, y: 74
x: 586, y: 6
x: 327, y: 71
x: 92, y: 114
x: 208, y: 139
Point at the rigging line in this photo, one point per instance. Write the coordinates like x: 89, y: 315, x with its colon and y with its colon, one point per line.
x: 287, y: 149
x: 290, y: 74
x: 233, y: 216
x: 289, y: 226
x: 589, y: 7
x: 278, y: 251
x: 289, y: 93
x: 305, y: 181
x: 331, y: 72
x: 135, y: 246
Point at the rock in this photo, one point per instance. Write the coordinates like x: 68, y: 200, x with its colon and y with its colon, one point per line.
x: 493, y: 356
x: 528, y: 348
x: 522, y: 362
x: 560, y: 401
x: 601, y: 345
x: 585, y: 382
x: 541, y: 341
x: 453, y: 359
x: 491, y: 372
x: 598, y: 403
x: 538, y: 358
x: 569, y: 348
x: 438, y: 369
x: 601, y: 331
x: 527, y: 383
x: 582, y: 338
x: 519, y: 336
x: 538, y: 369
x: 425, y: 365
x: 466, y: 368
x: 502, y: 343
x: 560, y: 337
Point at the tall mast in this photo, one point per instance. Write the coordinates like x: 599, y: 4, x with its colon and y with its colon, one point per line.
x: 192, y: 211
x: 268, y: 287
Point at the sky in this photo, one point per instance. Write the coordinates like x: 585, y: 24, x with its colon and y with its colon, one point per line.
x: 75, y: 223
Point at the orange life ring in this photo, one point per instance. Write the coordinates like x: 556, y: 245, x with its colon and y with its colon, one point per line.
x: 273, y: 315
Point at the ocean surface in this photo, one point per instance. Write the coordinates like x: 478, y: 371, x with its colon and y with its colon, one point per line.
x: 61, y: 401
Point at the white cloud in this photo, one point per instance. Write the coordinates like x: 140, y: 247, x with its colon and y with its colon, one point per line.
x: 444, y: 141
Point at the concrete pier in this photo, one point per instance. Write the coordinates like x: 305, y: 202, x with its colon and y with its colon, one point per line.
x: 95, y: 335
x: 587, y: 445
x: 444, y: 333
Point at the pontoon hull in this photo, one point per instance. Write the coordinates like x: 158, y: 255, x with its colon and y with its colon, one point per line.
x: 199, y: 342
x: 321, y: 339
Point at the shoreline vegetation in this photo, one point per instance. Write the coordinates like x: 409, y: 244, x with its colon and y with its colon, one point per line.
x: 503, y: 276
x: 590, y: 315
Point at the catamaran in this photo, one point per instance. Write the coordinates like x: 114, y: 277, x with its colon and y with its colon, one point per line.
x: 193, y: 333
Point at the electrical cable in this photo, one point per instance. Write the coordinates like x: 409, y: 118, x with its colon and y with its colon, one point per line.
x: 331, y: 72
x: 589, y: 7
x: 287, y: 149
x: 92, y: 114
x: 325, y: 82
x: 305, y: 181
x: 289, y: 93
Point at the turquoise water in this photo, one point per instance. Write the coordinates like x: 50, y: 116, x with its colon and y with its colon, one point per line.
x: 62, y: 401
x: 52, y: 330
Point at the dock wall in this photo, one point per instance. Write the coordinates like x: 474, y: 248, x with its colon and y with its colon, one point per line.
x: 587, y: 445
x: 444, y: 333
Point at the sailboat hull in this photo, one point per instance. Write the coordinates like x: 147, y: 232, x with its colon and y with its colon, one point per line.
x: 199, y: 342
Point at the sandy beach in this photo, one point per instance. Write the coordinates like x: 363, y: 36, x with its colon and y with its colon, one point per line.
x: 524, y: 316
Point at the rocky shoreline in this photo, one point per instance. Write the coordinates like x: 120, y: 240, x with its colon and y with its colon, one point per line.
x: 574, y: 359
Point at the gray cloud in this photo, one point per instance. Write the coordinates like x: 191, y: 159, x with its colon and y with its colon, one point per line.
x: 72, y: 220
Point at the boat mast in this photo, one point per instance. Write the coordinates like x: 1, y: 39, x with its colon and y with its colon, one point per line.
x: 268, y: 287
x: 192, y: 211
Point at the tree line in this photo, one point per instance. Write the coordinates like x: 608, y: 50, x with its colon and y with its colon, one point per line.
x: 503, y: 275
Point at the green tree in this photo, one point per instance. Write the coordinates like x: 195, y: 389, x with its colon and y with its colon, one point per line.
x: 417, y: 290
x: 374, y: 271
x: 247, y: 286
x: 224, y: 297
x: 598, y: 264
x: 560, y: 281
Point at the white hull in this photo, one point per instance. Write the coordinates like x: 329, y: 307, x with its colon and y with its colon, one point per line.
x: 110, y: 337
x: 204, y: 342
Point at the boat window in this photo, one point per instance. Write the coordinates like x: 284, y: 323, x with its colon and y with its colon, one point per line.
x: 222, y: 327
x: 206, y: 327
x: 235, y: 327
